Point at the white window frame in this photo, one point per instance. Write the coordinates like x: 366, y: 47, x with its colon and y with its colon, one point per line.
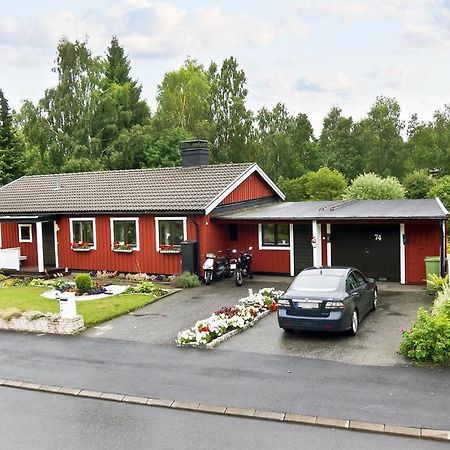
x: 84, y: 219
x: 30, y: 227
x: 158, y: 219
x: 272, y: 247
x: 125, y: 219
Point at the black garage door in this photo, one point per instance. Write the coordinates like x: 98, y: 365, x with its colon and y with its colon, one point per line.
x: 374, y: 249
x: 303, y: 252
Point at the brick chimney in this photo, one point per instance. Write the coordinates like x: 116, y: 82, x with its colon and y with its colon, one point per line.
x: 194, y: 153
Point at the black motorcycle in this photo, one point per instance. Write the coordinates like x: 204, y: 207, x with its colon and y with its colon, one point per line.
x: 216, y: 267
x: 243, y: 266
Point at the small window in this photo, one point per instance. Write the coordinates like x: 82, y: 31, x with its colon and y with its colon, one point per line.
x: 83, y: 234
x: 359, y: 278
x: 350, y: 283
x: 171, y: 234
x: 25, y: 233
x: 275, y: 235
x: 233, y: 232
x: 125, y: 234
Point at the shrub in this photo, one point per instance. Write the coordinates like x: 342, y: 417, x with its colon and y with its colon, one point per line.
x: 370, y: 186
x: 83, y: 282
x: 442, y: 190
x: 429, y: 338
x: 187, y: 280
x: 418, y: 184
x: 436, y: 282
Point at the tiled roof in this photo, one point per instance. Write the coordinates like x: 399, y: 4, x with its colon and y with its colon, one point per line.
x: 140, y: 190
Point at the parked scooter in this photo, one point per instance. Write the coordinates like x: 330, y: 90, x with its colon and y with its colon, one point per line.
x: 216, y: 267
x: 243, y: 266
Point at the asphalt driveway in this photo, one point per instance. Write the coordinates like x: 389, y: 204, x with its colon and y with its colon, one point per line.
x: 376, y: 343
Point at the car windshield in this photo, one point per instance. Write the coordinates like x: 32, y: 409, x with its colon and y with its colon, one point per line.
x: 316, y: 283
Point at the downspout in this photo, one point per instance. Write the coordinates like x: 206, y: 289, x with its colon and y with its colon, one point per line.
x: 197, y: 238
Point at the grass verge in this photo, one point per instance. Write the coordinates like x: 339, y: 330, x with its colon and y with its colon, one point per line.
x: 29, y: 298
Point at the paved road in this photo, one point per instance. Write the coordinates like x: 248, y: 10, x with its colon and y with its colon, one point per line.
x: 399, y: 395
x: 376, y: 344
x: 32, y: 420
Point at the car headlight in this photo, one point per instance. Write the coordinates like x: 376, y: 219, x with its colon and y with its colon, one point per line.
x: 283, y: 302
x: 334, y: 305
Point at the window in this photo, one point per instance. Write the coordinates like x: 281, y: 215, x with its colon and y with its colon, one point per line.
x: 25, y: 233
x: 125, y: 234
x: 82, y: 233
x: 359, y: 278
x: 170, y: 232
x: 233, y: 232
x: 274, y: 235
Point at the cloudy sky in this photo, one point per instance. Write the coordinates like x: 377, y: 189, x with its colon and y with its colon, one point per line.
x: 309, y: 54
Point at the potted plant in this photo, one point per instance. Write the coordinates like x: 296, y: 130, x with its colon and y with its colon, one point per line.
x: 80, y: 246
x: 121, y: 247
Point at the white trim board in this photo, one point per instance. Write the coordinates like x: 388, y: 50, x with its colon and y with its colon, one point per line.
x: 441, y: 205
x: 402, y: 255
x: 30, y: 227
x: 291, y: 249
x: 159, y: 219
x: 55, y: 234
x: 40, y: 247
x: 232, y: 186
x: 83, y: 219
x: 124, y: 219
x: 271, y: 247
x: 328, y: 244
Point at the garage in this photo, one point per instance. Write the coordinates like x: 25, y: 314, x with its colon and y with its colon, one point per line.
x: 386, y: 239
x: 372, y: 248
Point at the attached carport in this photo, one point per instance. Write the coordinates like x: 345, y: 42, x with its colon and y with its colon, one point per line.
x: 387, y: 239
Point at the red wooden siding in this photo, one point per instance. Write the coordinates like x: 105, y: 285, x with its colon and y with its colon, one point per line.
x: 147, y: 259
x: 252, y: 188
x: 10, y: 239
x: 423, y: 239
x: 271, y: 261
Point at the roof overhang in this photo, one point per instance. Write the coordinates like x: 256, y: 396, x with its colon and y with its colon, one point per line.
x: 28, y: 218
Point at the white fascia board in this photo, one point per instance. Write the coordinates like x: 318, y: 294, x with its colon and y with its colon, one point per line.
x: 441, y: 205
x: 232, y: 186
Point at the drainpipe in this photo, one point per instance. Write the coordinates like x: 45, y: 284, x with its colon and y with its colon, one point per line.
x: 197, y: 237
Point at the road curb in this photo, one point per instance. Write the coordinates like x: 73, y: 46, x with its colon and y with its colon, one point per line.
x: 258, y: 414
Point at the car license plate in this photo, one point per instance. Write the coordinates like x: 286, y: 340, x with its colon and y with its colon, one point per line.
x: 232, y: 266
x: 306, y: 305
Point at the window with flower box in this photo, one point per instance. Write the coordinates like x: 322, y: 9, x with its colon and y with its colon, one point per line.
x: 125, y: 234
x: 170, y: 232
x: 82, y: 234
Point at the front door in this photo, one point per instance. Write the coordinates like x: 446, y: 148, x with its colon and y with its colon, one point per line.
x: 48, y: 238
x: 303, y: 251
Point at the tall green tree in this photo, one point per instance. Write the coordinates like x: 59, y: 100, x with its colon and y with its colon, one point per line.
x: 184, y: 98
x: 336, y: 144
x: 67, y: 113
x: 442, y: 190
x: 378, y: 138
x: 285, y: 144
x: 10, y: 155
x: 229, y: 112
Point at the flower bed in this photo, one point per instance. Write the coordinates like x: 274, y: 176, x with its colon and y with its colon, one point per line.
x: 228, y: 321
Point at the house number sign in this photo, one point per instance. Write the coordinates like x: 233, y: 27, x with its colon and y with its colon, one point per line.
x: 377, y: 237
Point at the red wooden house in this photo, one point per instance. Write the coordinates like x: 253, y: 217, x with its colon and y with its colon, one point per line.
x: 135, y: 221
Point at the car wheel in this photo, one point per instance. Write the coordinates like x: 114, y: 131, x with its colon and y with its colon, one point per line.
x: 375, y: 300
x: 355, y: 323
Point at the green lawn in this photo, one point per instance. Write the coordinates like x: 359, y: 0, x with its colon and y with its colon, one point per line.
x: 94, y: 311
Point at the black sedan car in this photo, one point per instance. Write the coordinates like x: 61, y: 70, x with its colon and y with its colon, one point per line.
x: 327, y: 299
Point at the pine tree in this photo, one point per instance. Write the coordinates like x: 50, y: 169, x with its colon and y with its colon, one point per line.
x: 10, y: 167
